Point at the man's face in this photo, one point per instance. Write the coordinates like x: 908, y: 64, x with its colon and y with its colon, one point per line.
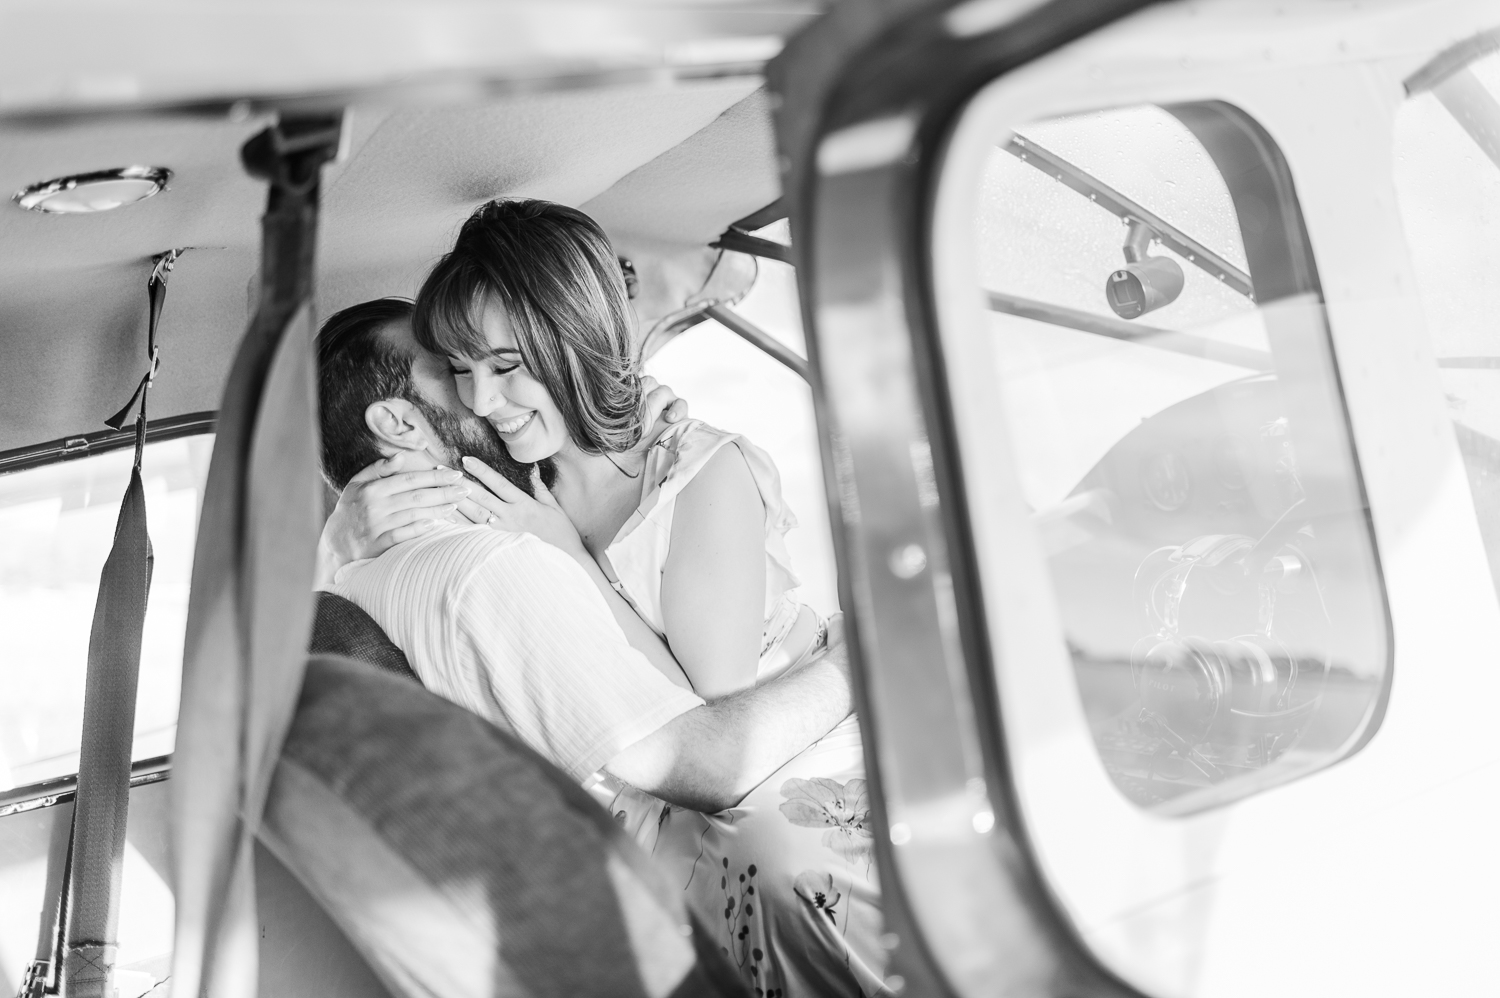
x: 460, y: 433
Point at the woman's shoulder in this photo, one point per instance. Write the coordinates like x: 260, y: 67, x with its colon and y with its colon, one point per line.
x: 688, y: 447
x: 685, y: 449
x: 673, y: 460
x: 676, y: 459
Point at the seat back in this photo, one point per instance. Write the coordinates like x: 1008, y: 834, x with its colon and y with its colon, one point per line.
x: 459, y: 862
x: 342, y: 628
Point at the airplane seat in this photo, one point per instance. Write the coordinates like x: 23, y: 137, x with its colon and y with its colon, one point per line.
x: 342, y: 628
x: 459, y: 862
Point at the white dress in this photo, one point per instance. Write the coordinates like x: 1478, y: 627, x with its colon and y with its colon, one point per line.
x: 788, y: 875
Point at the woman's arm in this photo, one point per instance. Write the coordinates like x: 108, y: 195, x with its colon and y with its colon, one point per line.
x: 714, y: 582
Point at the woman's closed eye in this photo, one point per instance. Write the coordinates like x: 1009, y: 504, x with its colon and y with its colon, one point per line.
x: 498, y: 370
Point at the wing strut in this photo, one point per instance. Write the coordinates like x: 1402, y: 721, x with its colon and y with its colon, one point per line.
x: 1114, y: 202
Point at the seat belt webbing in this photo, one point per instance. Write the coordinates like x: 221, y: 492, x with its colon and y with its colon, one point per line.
x: 250, y: 609
x: 97, y: 853
x: 82, y: 955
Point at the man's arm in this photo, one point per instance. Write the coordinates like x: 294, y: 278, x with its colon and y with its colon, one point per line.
x: 710, y: 757
x: 555, y: 664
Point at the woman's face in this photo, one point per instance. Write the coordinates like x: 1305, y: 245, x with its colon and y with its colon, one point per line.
x: 500, y: 389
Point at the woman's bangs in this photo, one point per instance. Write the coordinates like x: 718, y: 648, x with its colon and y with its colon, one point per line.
x: 451, y: 322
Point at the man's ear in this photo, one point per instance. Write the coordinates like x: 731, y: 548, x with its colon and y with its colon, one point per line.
x: 397, y: 425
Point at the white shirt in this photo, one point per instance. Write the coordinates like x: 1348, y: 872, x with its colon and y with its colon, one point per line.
x: 513, y: 629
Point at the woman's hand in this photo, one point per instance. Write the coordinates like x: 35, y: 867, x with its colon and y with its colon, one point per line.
x: 393, y: 500
x: 662, y: 408
x: 505, y: 507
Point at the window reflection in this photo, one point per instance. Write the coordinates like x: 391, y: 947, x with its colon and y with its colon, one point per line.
x: 1186, y: 456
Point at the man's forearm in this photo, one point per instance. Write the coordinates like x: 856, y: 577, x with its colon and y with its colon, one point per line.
x: 709, y: 758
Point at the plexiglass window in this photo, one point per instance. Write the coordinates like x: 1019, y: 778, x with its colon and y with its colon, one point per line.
x: 1179, y: 432
x: 1447, y: 172
x: 56, y: 526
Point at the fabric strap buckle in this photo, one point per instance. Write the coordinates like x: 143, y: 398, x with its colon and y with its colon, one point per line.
x: 38, y: 975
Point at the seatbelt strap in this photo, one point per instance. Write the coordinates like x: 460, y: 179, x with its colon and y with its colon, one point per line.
x: 156, y: 296
x: 250, y: 608
x: 89, y: 896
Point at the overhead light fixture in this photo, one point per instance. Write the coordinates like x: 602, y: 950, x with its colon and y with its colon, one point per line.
x: 86, y: 193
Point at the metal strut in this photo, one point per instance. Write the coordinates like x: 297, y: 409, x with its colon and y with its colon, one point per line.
x: 1114, y: 202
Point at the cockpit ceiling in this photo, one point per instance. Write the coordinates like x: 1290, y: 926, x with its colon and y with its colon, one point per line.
x: 664, y: 168
x: 64, y: 57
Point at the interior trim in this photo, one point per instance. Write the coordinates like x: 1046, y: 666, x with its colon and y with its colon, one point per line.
x: 61, y: 789
x: 86, y: 444
x: 449, y: 89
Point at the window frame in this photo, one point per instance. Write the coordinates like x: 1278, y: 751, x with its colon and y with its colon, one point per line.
x: 71, y: 448
x: 1110, y: 867
x: 863, y: 170
x: 62, y: 789
x: 966, y: 906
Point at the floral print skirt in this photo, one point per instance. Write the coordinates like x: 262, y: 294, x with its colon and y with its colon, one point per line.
x: 788, y: 877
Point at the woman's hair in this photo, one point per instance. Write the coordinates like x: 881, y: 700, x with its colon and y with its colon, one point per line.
x: 553, y: 271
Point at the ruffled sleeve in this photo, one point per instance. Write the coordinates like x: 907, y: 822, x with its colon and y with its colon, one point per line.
x: 639, y: 551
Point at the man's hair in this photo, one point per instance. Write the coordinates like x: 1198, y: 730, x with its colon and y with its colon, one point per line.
x: 357, y: 367
x: 553, y: 271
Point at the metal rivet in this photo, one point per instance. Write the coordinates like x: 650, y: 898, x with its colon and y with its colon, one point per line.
x: 896, y: 983
x: 907, y: 562
x: 984, y: 821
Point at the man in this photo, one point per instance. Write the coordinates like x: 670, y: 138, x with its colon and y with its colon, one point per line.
x: 539, y: 643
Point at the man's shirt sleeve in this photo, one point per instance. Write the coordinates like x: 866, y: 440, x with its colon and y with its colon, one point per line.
x: 554, y: 663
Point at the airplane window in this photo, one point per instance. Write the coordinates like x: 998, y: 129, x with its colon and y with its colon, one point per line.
x: 1184, y: 453
x: 56, y: 526
x: 1447, y: 172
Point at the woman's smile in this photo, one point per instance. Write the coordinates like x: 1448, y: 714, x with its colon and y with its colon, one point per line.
x: 514, y: 425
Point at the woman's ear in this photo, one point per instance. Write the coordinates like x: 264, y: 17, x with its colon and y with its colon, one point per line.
x: 393, y: 423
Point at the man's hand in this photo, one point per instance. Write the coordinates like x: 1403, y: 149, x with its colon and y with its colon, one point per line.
x: 393, y: 500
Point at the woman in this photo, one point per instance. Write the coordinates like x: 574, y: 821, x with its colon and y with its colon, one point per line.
x: 531, y: 309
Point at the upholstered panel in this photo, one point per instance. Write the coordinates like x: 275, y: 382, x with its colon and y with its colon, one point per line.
x: 461, y: 863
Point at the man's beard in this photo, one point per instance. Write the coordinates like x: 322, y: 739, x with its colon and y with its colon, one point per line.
x: 468, y: 435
